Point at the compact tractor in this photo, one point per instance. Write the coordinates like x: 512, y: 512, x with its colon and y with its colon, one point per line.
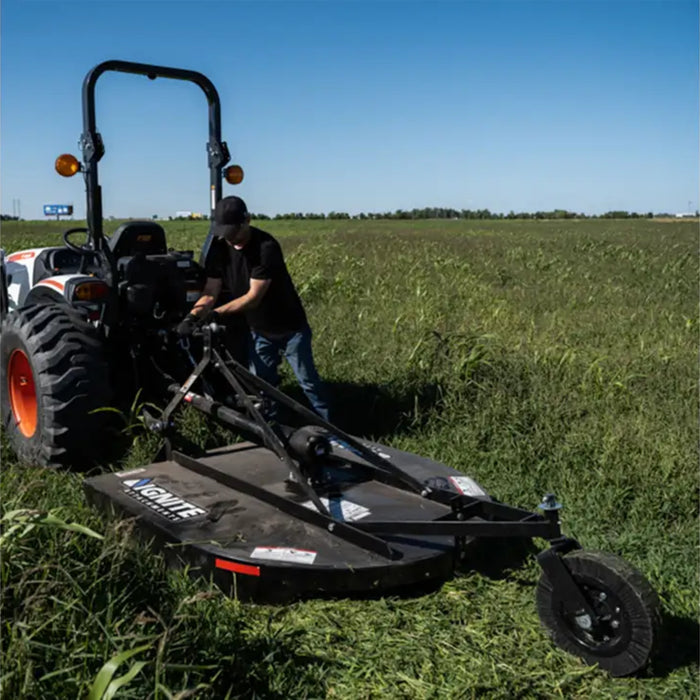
x: 293, y: 509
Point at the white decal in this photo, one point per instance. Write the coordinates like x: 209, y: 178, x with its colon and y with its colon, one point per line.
x: 467, y: 486
x: 130, y: 472
x: 377, y: 451
x: 340, y: 509
x: 346, y: 446
x: 288, y: 554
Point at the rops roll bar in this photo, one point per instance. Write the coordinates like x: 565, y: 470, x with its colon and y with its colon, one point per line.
x: 93, y: 148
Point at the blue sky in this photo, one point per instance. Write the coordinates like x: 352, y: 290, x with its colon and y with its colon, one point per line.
x: 356, y: 106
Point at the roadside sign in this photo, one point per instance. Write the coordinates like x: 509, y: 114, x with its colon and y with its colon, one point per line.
x: 58, y: 209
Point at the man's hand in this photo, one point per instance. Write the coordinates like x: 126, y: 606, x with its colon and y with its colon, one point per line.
x: 210, y: 317
x: 187, y: 325
x: 193, y: 321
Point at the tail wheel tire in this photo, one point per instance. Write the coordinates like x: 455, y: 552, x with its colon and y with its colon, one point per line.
x: 54, y: 375
x: 624, y: 634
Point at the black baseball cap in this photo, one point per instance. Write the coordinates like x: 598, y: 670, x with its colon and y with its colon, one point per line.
x: 229, y: 213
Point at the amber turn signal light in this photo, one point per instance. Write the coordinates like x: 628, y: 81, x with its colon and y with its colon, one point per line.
x: 67, y: 165
x: 233, y: 174
x: 90, y: 291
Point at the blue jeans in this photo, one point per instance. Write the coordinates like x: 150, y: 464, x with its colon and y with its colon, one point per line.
x: 296, y: 348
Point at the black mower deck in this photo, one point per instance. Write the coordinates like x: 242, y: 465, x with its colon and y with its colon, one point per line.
x: 234, y: 515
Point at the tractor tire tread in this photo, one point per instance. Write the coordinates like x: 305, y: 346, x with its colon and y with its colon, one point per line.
x: 72, y: 379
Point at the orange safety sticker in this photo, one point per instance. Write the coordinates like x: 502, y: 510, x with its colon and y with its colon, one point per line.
x: 21, y: 256
x: 53, y: 283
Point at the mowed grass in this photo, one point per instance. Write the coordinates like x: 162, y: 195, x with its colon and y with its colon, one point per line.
x: 534, y: 356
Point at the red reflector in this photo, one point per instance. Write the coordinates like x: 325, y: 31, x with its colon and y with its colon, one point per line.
x: 237, y: 568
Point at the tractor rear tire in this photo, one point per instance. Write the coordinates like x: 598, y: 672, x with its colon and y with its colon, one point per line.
x: 54, y: 375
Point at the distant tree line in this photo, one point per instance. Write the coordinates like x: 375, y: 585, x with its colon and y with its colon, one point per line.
x: 434, y: 213
x: 447, y: 213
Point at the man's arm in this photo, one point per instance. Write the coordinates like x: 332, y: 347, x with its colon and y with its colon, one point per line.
x: 249, y: 300
x: 210, y: 293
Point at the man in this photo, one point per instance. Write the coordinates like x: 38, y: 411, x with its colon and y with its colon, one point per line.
x: 248, y: 263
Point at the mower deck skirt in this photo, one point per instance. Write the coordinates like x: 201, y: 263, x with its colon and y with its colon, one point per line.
x: 255, y: 548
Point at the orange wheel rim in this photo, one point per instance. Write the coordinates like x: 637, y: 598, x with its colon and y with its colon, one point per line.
x: 22, y: 391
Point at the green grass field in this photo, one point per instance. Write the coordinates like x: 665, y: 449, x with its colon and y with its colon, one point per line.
x: 534, y: 356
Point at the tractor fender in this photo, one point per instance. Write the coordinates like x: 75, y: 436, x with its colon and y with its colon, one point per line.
x: 44, y: 294
x: 19, y: 272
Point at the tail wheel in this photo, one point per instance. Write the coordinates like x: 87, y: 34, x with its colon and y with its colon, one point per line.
x: 54, y: 376
x: 623, y: 633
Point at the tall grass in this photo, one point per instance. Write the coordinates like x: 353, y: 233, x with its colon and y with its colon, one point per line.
x: 534, y: 356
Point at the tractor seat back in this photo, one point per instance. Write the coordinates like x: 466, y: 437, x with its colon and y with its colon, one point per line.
x: 133, y: 237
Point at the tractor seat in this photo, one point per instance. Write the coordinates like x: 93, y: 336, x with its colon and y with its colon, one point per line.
x: 134, y: 237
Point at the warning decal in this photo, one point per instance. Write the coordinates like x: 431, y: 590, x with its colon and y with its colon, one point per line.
x: 341, y: 509
x: 287, y: 554
x: 467, y: 486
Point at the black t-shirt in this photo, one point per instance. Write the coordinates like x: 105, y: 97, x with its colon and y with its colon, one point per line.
x: 280, y: 312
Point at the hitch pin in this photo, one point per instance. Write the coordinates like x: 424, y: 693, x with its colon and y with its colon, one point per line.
x: 550, y: 506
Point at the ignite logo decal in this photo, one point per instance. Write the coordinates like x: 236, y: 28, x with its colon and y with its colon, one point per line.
x: 164, y: 502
